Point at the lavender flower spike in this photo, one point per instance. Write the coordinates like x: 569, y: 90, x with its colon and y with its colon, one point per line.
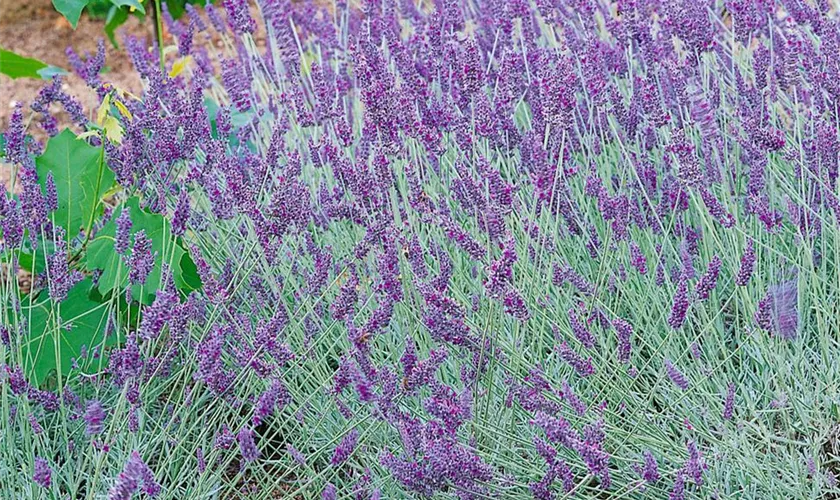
x: 43, y: 474
x: 247, y: 447
x: 675, y: 375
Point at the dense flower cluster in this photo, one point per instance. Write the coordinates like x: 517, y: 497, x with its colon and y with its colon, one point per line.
x: 404, y: 248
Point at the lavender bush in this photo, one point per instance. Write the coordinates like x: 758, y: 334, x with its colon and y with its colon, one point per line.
x: 483, y: 249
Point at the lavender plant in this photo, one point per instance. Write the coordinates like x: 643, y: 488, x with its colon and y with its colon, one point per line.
x: 401, y: 250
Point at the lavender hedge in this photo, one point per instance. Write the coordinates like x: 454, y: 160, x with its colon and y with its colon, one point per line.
x: 483, y: 249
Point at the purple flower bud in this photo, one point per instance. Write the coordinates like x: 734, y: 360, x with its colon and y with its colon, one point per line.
x: 678, y: 489
x: 637, y: 259
x: 34, y: 424
x: 694, y: 348
x: 52, y: 193
x: 574, y: 401
x: 201, y: 461
x: 624, y: 332
x: 557, y: 429
x: 181, y: 215
x: 237, y: 84
x: 295, y: 454
x: 342, y: 307
x: 11, y: 221
x: 239, y: 16
x: 135, y: 472
x: 224, y: 438
x: 716, y: 209
x: 330, y: 492
x: 695, y: 465
x: 61, y: 278
x: 275, y: 396
x: 16, y: 151
x: 515, y: 305
x: 580, y: 331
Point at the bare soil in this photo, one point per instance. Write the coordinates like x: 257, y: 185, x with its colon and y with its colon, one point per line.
x: 33, y: 28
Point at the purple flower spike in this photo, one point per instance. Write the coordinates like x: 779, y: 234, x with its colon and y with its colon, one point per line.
x: 246, y: 445
x: 675, y: 375
x: 650, y: 473
x: 583, y: 367
x: 680, y: 305
x: 330, y: 492
x: 747, y: 265
x: 638, y: 259
x: 580, y: 331
x: 625, y: 334
x: 708, y: 281
x: 142, y: 260
x: 729, y: 402
x: 135, y: 473
x: 345, y: 448
x: 43, y: 474
x: 94, y: 418
x: 123, y: 223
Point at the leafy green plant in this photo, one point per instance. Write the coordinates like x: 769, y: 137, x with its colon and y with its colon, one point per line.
x: 64, y: 334
x: 81, y: 179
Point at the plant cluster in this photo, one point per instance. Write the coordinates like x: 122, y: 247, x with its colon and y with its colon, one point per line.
x: 459, y: 249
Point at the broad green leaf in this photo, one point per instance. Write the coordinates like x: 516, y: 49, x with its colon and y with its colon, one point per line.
x: 131, y: 4
x: 17, y: 66
x: 116, y: 18
x: 101, y: 254
x: 58, y: 332
x: 70, y: 9
x: 189, y: 278
x: 176, y: 8
x: 80, y: 180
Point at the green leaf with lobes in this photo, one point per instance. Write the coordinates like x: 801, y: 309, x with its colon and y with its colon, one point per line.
x: 61, y: 333
x: 81, y: 179
x: 101, y: 254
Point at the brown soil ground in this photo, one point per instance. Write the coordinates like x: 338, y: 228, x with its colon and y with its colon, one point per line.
x: 33, y: 28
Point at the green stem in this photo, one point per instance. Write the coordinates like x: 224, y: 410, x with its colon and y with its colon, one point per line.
x: 159, y: 32
x: 96, y: 202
